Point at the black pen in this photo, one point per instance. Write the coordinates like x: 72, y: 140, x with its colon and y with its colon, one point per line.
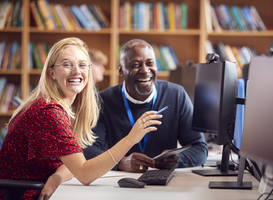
x: 161, y: 110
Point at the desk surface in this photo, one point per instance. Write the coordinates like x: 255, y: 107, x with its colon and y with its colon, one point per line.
x: 184, y: 185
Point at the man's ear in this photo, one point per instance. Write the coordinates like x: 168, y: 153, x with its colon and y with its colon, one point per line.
x: 120, y: 71
x: 50, y: 73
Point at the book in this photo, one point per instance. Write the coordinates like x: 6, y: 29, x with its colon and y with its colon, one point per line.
x: 159, y: 60
x: 13, y: 53
x: 81, y: 18
x: 234, y: 22
x: 70, y: 21
x: 55, y: 17
x: 171, y: 16
x: 215, y: 22
x: 16, y: 13
x: 97, y: 16
x: 18, y: 59
x: 2, y: 52
x: 35, y: 17
x: 226, y: 15
x: 208, y: 16
x: 30, y: 55
x: 236, y: 14
x: 209, y: 47
x: 102, y: 15
x: 43, y: 7
x: 249, y: 21
x: 169, y: 59
x: 258, y: 18
x: 6, y: 6
x: 90, y: 17
x: 41, y: 52
x: 7, y: 98
x: 40, y: 14
x: 3, y: 82
x: 59, y: 10
x: 173, y: 55
x: 74, y: 20
x: 184, y: 13
x: 6, y: 57
x: 36, y: 57
x: 9, y: 16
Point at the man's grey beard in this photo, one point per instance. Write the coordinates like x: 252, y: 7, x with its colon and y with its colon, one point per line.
x: 143, y: 93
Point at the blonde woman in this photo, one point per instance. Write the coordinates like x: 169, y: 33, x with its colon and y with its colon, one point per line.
x: 47, y: 132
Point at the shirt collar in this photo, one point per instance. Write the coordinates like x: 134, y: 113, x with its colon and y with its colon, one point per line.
x: 136, y: 101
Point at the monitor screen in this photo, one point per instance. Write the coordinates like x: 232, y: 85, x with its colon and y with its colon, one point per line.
x: 216, y: 86
x: 215, y: 100
x: 257, y: 139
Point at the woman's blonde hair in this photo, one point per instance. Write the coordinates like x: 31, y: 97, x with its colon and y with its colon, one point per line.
x: 84, y: 112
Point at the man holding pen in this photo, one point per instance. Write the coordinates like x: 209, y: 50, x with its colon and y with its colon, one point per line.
x: 140, y: 92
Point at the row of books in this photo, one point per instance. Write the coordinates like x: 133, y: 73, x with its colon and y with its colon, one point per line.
x: 37, y: 54
x: 234, y: 18
x: 3, y: 133
x: 10, y: 55
x: 160, y: 16
x: 240, y: 55
x: 166, y: 58
x: 7, y: 92
x: 52, y: 16
x: 11, y: 14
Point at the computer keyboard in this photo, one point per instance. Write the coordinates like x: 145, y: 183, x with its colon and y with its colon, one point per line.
x: 157, y: 177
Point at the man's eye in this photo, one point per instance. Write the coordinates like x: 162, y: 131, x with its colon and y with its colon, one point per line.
x: 150, y: 63
x: 136, y: 65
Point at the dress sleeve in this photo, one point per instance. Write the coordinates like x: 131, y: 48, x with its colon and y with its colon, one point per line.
x: 49, y: 134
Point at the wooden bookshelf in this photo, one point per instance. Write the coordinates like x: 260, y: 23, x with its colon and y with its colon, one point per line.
x: 188, y: 44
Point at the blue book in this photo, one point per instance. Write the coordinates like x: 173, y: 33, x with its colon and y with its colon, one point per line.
x: 12, y: 53
x: 81, y: 18
x: 237, y: 18
x: 249, y: 20
x: 173, y: 54
x: 3, y: 82
x: 228, y: 17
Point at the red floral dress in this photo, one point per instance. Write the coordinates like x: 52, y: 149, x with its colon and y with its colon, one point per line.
x: 36, y: 138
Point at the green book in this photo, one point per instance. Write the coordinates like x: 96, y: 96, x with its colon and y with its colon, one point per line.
x: 184, y: 15
x: 36, y: 57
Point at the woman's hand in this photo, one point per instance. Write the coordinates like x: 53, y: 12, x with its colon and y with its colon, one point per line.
x: 144, y: 125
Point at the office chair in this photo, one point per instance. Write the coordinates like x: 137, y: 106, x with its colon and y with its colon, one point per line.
x: 15, y: 189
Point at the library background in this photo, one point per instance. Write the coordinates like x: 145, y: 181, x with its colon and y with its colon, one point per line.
x: 181, y: 32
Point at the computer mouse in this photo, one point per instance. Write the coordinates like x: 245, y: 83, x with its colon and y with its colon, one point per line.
x: 131, y: 183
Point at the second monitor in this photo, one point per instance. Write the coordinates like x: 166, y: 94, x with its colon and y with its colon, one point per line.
x: 215, y: 96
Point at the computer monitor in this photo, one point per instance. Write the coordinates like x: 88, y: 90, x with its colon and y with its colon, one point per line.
x: 257, y: 136
x: 216, y: 86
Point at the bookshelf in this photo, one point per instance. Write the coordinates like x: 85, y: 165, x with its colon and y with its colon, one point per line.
x: 188, y: 43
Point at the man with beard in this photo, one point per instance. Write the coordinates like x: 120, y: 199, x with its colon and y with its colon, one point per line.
x: 123, y: 104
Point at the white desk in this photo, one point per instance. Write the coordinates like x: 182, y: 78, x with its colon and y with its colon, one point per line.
x: 184, y: 185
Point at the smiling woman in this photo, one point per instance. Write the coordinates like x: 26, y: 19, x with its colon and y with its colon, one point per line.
x: 47, y: 132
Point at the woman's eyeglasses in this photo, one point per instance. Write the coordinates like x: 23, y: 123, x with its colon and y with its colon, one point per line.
x: 83, y: 65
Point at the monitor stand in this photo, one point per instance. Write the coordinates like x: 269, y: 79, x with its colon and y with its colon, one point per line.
x: 223, y: 171
x: 233, y: 185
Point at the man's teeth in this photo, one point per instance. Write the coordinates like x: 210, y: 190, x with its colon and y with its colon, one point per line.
x: 144, y: 80
x: 75, y: 80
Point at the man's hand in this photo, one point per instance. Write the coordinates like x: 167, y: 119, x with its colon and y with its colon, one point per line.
x: 136, y: 162
x: 168, y: 162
